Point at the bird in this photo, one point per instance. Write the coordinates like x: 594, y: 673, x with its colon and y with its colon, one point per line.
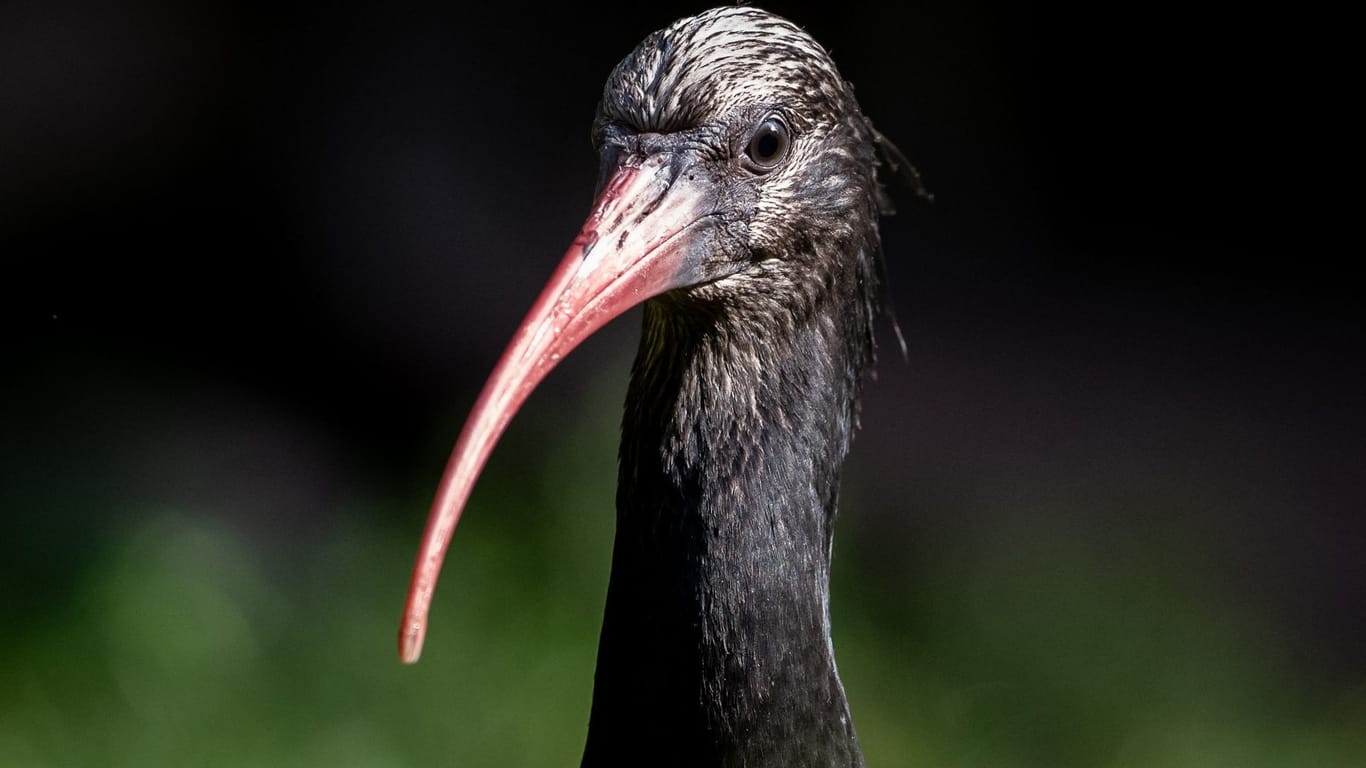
x: 739, y: 201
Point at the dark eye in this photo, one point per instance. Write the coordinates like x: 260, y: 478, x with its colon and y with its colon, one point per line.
x: 768, y: 146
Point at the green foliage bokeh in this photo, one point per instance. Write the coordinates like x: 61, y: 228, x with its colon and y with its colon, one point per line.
x: 177, y: 638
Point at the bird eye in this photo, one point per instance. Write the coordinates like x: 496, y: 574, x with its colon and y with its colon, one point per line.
x: 768, y: 146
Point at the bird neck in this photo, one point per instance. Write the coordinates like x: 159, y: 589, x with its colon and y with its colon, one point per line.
x: 716, y: 644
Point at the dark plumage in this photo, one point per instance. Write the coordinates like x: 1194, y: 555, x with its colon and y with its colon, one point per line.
x: 739, y: 190
x: 740, y: 410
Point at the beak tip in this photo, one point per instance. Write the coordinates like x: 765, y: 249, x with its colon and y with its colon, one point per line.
x: 409, y: 649
x: 410, y: 642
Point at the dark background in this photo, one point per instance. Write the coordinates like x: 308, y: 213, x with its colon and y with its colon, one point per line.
x: 256, y: 264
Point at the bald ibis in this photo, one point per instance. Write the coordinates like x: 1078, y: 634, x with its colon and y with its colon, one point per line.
x: 739, y: 200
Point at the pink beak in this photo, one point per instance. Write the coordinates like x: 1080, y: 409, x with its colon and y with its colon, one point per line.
x: 640, y: 241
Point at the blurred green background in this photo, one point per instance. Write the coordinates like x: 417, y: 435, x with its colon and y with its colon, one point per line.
x: 211, y: 582
x: 1106, y: 511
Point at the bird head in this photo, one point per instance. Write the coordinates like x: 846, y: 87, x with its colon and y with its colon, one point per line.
x: 735, y: 162
x: 744, y: 116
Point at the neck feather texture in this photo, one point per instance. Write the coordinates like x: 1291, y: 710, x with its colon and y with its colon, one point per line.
x: 715, y: 647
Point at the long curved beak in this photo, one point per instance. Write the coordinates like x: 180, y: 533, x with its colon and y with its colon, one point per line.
x: 640, y: 240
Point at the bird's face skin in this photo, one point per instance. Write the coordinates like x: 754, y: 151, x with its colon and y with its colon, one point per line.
x: 757, y: 112
x: 726, y: 151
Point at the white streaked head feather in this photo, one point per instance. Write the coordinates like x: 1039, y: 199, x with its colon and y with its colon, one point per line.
x: 704, y: 65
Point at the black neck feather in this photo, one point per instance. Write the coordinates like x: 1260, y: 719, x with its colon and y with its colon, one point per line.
x: 715, y: 647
